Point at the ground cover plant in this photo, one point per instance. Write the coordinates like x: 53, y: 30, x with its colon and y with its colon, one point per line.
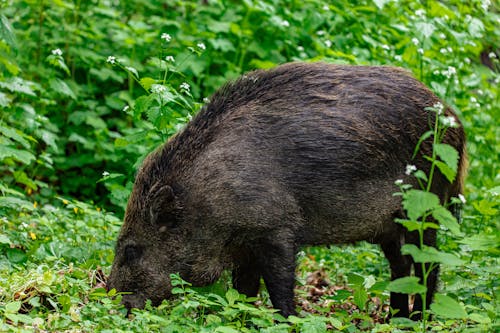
x: 88, y: 88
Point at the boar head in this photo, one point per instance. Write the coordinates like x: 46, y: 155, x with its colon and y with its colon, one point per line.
x: 157, y: 239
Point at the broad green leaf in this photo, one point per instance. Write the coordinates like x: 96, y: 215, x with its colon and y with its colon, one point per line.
x: 479, y: 318
x: 314, y: 325
x: 16, y: 256
x: 62, y: 87
x: 447, y: 154
x: 407, y: 285
x: 23, y: 156
x: 446, y: 171
x: 446, y: 218
x: 430, y: 254
x: 4, y: 239
x: 360, y: 297
x: 417, y: 203
x: 482, y: 241
x: 19, y: 85
x: 416, y: 225
x: 447, y: 307
x: 147, y: 82
x: 226, y: 329
x: 13, y: 307
x: 232, y: 296
x: 6, y: 32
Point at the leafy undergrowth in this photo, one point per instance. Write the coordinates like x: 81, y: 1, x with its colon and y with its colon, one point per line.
x: 56, y: 259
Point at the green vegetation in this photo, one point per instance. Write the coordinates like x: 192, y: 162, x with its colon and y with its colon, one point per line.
x: 88, y: 88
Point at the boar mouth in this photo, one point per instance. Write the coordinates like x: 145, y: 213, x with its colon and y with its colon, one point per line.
x: 138, y: 300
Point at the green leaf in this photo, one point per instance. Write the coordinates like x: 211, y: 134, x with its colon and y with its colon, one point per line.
x: 424, y: 137
x: 360, y: 297
x: 410, y: 225
x: 417, y: 203
x: 430, y: 254
x: 13, y: 307
x: 19, y: 85
x: 447, y: 307
x: 446, y: 218
x: 479, y: 318
x: 146, y: 83
x: 449, y: 156
x: 407, y: 285
x: 22, y: 156
x: 226, y: 329
x: 232, y: 296
x: 6, y: 32
x: 482, y: 241
x: 62, y: 88
x: 4, y: 239
x: 16, y: 256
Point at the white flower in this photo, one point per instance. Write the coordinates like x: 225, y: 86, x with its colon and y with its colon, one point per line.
x: 438, y: 107
x: 462, y: 198
x: 206, y: 100
x: 125, y: 108
x: 57, y: 52
x: 158, y: 88
x: 449, y: 121
x: 170, y: 58
x: 320, y: 32
x: 442, y: 36
x: 386, y: 47
x: 166, y: 37
x: 473, y: 99
x: 105, y: 174
x: 410, y: 169
x: 420, y: 12
x: 467, y: 60
x: 443, y: 50
x: 111, y: 60
x: 399, y: 182
x: 492, y: 55
x: 184, y: 86
x: 300, y: 48
x: 436, y: 72
x: 201, y: 46
x: 415, y: 41
x: 328, y: 43
x: 326, y: 7
x: 398, y: 57
x: 420, y: 51
x: 285, y: 23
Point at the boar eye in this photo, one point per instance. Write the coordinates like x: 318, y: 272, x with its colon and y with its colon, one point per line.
x: 132, y: 253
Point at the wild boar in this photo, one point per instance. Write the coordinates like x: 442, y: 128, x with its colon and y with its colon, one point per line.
x: 303, y: 154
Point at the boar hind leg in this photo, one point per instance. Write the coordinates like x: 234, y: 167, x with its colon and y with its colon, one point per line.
x: 246, y: 276
x: 277, y: 261
x: 400, y: 267
x: 432, y: 277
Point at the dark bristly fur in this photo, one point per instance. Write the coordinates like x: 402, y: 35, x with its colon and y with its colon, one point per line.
x: 304, y: 154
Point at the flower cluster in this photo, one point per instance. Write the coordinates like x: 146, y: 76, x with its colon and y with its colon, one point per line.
x: 166, y: 37
x: 57, y: 52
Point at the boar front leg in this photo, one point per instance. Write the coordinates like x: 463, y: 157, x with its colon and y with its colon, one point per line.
x: 246, y: 274
x: 277, y: 263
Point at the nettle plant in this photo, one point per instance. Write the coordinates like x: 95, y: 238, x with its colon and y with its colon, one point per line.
x: 425, y: 211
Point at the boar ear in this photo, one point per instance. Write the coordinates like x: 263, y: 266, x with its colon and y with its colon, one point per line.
x: 162, y: 206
